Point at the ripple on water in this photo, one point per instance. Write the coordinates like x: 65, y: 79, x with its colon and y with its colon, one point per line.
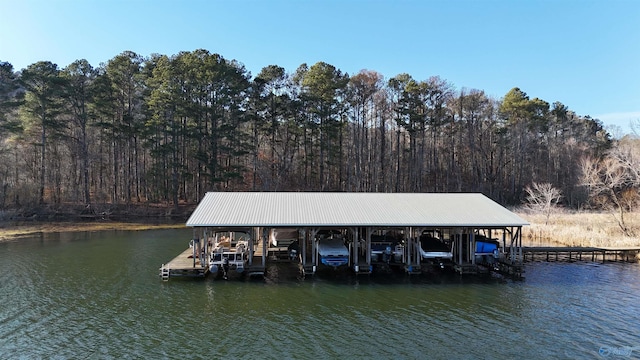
x: 106, y: 301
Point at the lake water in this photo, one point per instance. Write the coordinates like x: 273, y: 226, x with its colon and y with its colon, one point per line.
x: 98, y: 296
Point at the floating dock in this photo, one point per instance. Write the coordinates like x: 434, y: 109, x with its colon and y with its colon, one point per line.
x: 184, y: 265
x: 195, y: 262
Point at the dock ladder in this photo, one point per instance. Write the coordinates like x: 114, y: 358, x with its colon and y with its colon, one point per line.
x: 164, y: 272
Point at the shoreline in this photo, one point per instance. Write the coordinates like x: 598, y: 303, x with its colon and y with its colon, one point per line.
x: 12, y: 230
x: 18, y: 223
x: 565, y: 228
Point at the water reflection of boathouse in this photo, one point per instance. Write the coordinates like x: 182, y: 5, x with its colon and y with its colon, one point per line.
x: 365, y: 232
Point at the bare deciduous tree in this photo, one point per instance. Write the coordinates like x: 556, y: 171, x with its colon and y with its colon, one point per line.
x: 613, y: 183
x: 543, y: 198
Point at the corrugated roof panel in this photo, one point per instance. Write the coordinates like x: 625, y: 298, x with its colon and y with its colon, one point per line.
x: 350, y: 209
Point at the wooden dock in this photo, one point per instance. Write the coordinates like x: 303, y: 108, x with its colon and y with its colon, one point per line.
x: 275, y: 253
x: 576, y: 253
x: 183, y: 265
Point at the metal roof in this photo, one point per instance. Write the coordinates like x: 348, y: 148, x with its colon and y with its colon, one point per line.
x: 326, y: 209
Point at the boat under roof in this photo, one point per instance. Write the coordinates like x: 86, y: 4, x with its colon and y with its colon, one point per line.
x: 343, y: 209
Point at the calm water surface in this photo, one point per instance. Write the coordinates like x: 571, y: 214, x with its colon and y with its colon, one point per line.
x: 98, y: 296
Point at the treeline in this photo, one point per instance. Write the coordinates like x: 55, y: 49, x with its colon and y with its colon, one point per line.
x: 169, y: 128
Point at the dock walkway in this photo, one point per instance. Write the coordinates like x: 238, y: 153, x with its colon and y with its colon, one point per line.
x: 578, y: 253
x: 183, y: 265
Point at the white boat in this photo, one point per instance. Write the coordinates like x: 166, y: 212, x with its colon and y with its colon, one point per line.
x: 333, y: 252
x: 282, y: 237
x: 229, y: 253
x: 434, y: 250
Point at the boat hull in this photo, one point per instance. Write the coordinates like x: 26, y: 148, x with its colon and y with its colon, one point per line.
x: 432, y: 248
x: 334, y: 261
x: 333, y: 253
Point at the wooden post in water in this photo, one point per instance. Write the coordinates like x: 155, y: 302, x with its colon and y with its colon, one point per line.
x: 409, y: 247
x: 368, y: 243
x: 472, y: 246
x: 460, y: 242
x: 193, y: 247
x: 356, y: 240
x: 303, y: 248
x: 315, y: 250
x: 253, y: 237
x: 265, y: 247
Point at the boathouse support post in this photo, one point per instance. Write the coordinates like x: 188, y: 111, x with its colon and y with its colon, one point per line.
x: 254, y: 236
x: 512, y: 254
x: 470, y: 250
x: 504, y: 240
x: 265, y: 245
x: 207, y: 247
x: 194, y: 250
x: 517, y: 254
x: 412, y: 256
x: 519, y: 269
x: 417, y: 250
x: 356, y: 241
x: 204, y: 263
x: 459, y: 240
x: 201, y: 251
x: 520, y: 245
x: 418, y: 257
x: 302, y: 238
x: 314, y: 249
x: 472, y: 246
x: 368, y: 244
x: 416, y: 247
x: 415, y: 236
x: 409, y: 250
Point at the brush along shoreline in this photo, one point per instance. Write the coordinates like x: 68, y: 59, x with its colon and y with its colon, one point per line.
x: 583, y: 229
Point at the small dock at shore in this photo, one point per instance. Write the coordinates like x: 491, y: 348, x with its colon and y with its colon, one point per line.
x: 184, y: 265
x: 194, y: 262
x: 578, y: 253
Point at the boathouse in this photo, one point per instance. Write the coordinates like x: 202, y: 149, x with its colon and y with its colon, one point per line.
x: 363, y: 218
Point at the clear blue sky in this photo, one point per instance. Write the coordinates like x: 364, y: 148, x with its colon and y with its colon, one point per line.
x: 585, y: 54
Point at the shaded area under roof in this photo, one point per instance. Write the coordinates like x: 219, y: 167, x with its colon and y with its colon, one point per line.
x: 326, y: 209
